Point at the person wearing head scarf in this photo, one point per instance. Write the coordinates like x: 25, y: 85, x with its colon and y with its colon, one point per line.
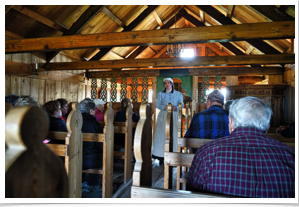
x: 168, y: 95
x: 100, y: 108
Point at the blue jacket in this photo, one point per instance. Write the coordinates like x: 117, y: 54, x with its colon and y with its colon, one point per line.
x: 92, y: 151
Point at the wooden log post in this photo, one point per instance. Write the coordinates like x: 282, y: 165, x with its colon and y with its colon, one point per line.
x: 194, y: 94
x: 153, y: 107
x: 168, y: 170
x: 128, y: 144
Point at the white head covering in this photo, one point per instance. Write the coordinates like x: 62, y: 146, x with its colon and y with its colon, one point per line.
x: 98, y: 102
x: 168, y: 79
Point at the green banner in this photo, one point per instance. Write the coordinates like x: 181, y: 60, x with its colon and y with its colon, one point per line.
x: 186, y: 84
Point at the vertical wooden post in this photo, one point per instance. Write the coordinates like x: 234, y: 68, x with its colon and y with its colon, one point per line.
x: 231, y: 81
x: 195, y: 92
x: 153, y: 109
x: 128, y: 144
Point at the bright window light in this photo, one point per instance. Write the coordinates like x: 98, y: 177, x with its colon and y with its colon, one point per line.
x: 188, y: 53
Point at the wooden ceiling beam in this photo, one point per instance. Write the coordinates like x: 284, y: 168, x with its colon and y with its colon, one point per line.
x: 78, y: 26
x: 271, y: 12
x: 175, y: 62
x: 218, y: 71
x: 113, y: 16
x: 130, y: 27
x: 227, y: 45
x: 39, y: 17
x: 219, y: 17
x: 165, y: 26
x: 223, y: 33
x: 236, y: 71
x: 216, y: 49
x: 155, y: 14
x: 230, y: 11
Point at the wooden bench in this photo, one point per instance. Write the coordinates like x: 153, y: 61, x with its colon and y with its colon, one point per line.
x: 32, y: 170
x: 71, y: 150
x: 125, y: 128
x: 141, y: 187
x: 65, y: 150
x: 108, y: 141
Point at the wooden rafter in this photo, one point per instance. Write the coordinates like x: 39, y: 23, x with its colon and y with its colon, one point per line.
x: 271, y: 12
x: 202, y: 16
x: 113, y: 17
x: 215, y: 14
x: 216, y: 49
x: 175, y: 62
x: 155, y: 14
x: 130, y: 27
x: 78, y: 26
x: 39, y: 17
x: 230, y: 11
x: 223, y: 33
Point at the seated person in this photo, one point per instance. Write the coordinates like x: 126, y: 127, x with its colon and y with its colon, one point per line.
x: 287, y: 131
x: 100, y: 108
x: 26, y: 101
x: 247, y: 163
x: 11, y: 98
x: 119, y: 139
x: 56, y: 124
x: 211, y: 123
x: 92, y: 151
x: 64, y: 108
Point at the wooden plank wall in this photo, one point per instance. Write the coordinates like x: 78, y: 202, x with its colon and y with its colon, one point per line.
x: 43, y: 90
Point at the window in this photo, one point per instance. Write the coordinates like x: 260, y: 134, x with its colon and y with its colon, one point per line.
x: 188, y: 53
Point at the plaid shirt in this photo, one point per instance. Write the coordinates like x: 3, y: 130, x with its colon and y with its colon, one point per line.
x: 211, y: 123
x: 245, y: 164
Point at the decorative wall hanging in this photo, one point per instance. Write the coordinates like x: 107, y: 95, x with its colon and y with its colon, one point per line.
x: 217, y: 83
x: 205, y: 86
x: 134, y: 95
x: 103, y: 95
x: 113, y: 91
x: 144, y: 96
x: 123, y: 90
x: 93, y: 91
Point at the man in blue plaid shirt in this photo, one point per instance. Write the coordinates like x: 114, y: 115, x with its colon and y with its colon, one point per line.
x: 211, y: 123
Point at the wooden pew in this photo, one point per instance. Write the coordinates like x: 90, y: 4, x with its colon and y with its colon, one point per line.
x: 107, y: 138
x: 141, y: 187
x: 71, y: 150
x: 32, y: 170
x: 108, y: 141
x: 183, y: 144
x: 125, y: 128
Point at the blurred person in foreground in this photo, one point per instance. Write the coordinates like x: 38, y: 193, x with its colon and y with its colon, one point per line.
x: 247, y: 163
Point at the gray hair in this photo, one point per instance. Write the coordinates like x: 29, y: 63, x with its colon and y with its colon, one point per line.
x: 250, y: 112
x: 216, y: 96
x: 26, y: 101
x: 86, y: 105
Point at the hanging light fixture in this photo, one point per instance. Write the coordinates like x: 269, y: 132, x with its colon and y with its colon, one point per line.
x: 175, y: 50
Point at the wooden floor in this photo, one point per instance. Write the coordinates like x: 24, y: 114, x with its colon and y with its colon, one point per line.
x: 123, y: 190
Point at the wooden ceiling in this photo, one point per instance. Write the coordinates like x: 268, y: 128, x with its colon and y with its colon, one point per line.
x: 117, y: 35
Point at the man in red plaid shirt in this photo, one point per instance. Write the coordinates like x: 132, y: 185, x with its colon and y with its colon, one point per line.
x: 247, y: 163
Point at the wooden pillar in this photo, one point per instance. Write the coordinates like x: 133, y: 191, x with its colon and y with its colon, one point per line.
x: 275, y: 79
x: 153, y: 109
x: 195, y: 93
x: 230, y: 81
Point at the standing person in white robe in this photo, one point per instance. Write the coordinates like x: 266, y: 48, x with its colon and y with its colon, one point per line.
x: 169, y: 95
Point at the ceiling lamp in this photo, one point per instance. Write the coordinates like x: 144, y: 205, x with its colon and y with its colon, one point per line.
x: 175, y: 50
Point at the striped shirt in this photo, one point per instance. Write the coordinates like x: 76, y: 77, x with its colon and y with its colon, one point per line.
x: 211, y: 123
x: 247, y: 163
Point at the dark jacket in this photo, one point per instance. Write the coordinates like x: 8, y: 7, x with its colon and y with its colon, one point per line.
x: 119, y: 139
x: 92, y: 151
x: 57, y: 125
